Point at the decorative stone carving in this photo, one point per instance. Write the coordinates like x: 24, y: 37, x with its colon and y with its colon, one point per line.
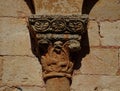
x: 54, y: 39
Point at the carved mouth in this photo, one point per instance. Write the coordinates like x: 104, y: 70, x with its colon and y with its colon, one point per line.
x: 57, y: 49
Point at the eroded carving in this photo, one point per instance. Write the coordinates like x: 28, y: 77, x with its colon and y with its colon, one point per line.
x: 54, y: 39
x: 56, y: 62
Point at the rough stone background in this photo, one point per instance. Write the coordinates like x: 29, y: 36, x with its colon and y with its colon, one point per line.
x: 100, y: 68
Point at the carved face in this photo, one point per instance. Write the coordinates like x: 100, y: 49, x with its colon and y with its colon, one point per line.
x: 58, y: 46
x: 56, y: 40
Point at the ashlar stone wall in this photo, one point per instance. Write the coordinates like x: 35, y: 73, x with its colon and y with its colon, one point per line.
x: 100, y: 68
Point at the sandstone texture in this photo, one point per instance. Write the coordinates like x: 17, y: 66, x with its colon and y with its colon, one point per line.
x: 100, y: 61
x: 21, y: 71
x: 14, y: 37
x: 21, y: 88
x: 14, y: 8
x: 106, y: 10
x: 100, y: 67
x: 93, y: 33
x: 58, y: 6
x: 110, y: 32
x: 35, y: 88
x: 1, y: 68
x: 95, y: 83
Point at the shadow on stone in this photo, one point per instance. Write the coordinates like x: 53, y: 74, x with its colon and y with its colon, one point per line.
x: 30, y: 5
x: 85, y: 49
x: 88, y: 5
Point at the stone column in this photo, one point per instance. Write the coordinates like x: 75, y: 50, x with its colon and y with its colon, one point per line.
x: 58, y: 84
x: 54, y: 40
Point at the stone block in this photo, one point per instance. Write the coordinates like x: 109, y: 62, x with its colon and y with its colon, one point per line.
x: 14, y: 37
x: 58, y: 6
x: 14, y: 8
x: 21, y: 71
x: 95, y: 83
x: 93, y: 33
x: 111, y: 33
x: 106, y: 10
x: 100, y: 61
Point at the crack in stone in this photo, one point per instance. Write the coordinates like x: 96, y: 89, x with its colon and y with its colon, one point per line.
x: 6, y: 87
x: 106, y: 47
x: 98, y: 74
x: 99, y: 30
x: 22, y: 17
x: 118, y: 59
x: 104, y: 20
x: 118, y: 71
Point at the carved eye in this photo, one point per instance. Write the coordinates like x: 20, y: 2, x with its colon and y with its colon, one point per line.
x: 58, y: 26
x: 41, y: 26
x: 75, y: 26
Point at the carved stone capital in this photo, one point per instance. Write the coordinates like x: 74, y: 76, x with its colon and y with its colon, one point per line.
x: 54, y: 39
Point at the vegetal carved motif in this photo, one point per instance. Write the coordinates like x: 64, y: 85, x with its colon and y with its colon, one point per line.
x: 54, y: 39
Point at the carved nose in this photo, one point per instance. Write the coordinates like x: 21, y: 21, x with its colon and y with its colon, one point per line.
x: 58, y: 46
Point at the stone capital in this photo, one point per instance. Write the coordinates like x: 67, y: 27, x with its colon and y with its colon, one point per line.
x: 54, y: 38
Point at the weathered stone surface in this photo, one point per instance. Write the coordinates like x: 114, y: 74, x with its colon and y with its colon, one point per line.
x: 118, y: 72
x: 100, y: 61
x: 111, y: 33
x: 1, y: 68
x: 7, y: 88
x: 21, y: 71
x: 35, y: 88
x: 14, y: 37
x: 58, y: 83
x: 14, y: 8
x: 58, y: 6
x: 23, y: 88
x: 106, y: 10
x: 95, y: 83
x: 93, y: 33
x: 25, y: 72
